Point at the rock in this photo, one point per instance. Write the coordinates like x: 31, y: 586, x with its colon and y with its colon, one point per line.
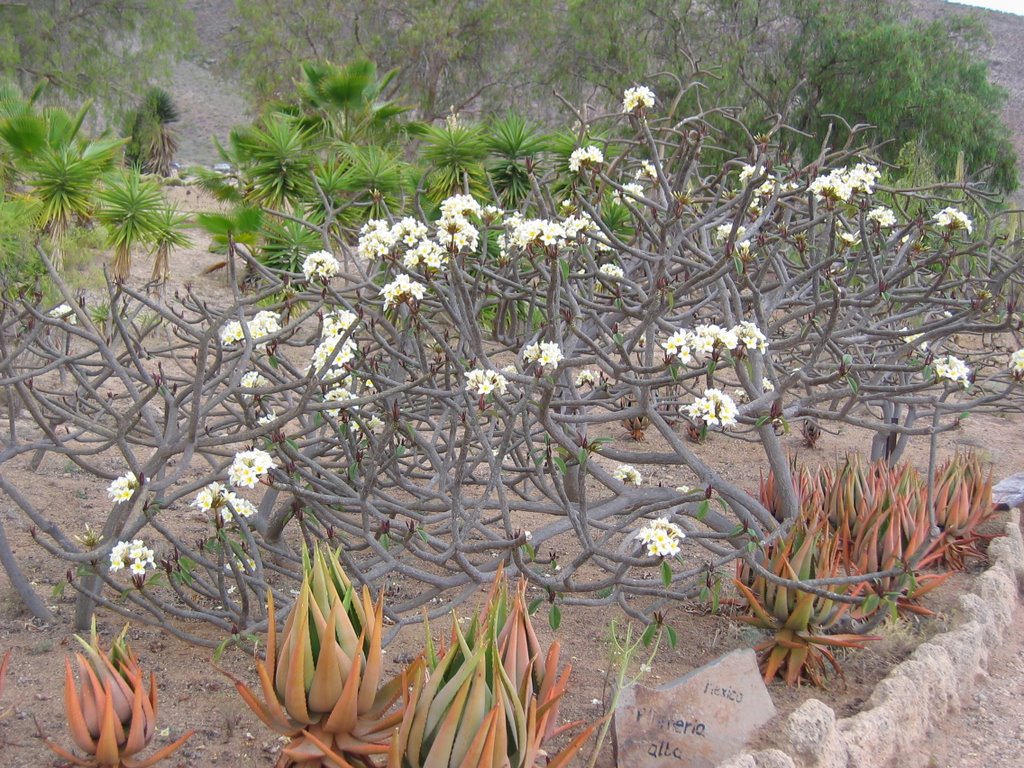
x: 696, y: 721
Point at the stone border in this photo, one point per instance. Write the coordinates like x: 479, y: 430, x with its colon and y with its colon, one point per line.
x: 919, y: 693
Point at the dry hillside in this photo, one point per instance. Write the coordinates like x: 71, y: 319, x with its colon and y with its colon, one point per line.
x: 211, y: 103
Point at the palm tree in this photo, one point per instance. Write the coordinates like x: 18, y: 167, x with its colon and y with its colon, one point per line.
x: 167, y: 234
x: 345, y: 103
x: 129, y: 208
x: 152, y: 143
x: 454, y: 154
x: 512, y: 143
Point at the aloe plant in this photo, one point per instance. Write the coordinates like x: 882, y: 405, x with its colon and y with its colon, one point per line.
x: 800, y: 645
x: 323, y: 684
x: 483, y: 700
x: 111, y: 715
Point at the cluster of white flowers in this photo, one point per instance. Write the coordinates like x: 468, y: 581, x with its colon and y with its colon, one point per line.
x: 747, y: 173
x: 218, y: 498
x: 456, y: 233
x: 953, y: 219
x: 483, y: 382
x: 428, y: 253
x: 766, y: 385
x: 951, y: 368
x: 122, y: 488
x: 882, y: 216
x: 408, y: 231
x: 545, y: 353
x: 320, y: 265
x: 402, y: 289
x: 722, y: 232
x: 136, y: 551
x: 661, y: 538
x: 324, y: 351
x: 647, y: 171
x: 586, y: 376
x: 253, y: 380
x: 64, y: 312
x: 337, y: 322
x: 614, y: 271
x: 842, y: 183
x: 631, y: 192
x: 750, y: 336
x: 1017, y: 363
x: 338, y: 394
x: 715, y: 408
x: 685, y: 345
x: 248, y: 467
x: 584, y: 157
x: 678, y: 345
x: 461, y: 205
x: 376, y: 240
x: 638, y: 97
x: 264, y: 324
x: 627, y: 473
x: 912, y: 338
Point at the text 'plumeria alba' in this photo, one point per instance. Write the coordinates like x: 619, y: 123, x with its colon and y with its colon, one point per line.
x: 320, y: 265
x: 952, y: 369
x: 546, y: 354
x: 248, y: 467
x: 637, y: 98
x: 715, y: 408
x: 483, y: 382
x: 661, y: 537
x: 122, y: 488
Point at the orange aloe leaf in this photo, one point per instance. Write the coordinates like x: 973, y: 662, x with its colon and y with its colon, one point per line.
x: 73, y: 710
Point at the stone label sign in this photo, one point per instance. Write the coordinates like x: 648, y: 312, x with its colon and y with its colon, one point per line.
x: 696, y: 721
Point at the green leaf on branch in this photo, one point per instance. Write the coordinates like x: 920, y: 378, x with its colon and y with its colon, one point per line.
x: 555, y: 617
x: 666, y: 573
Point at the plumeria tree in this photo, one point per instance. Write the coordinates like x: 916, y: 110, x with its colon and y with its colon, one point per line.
x: 460, y: 381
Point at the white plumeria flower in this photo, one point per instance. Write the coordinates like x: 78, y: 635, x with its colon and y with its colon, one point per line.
x: 766, y: 385
x: 320, y: 265
x: 882, y: 216
x: 953, y: 369
x: 337, y: 322
x: 219, y: 499
x: 637, y: 98
x: 613, y: 271
x: 402, y: 289
x: 137, y: 552
x: 253, y: 380
x: 627, y: 473
x: 678, y: 345
x: 122, y: 488
x: 547, y: 354
x: 461, y: 205
x: 750, y: 336
x: 483, y: 382
x: 953, y: 220
x: 631, y: 192
x: 584, y: 157
x: 265, y: 323
x: 341, y: 356
x: 722, y: 232
x: 647, y: 171
x: 232, y: 333
x: 586, y: 376
x: 64, y: 312
x: 1017, y: 363
x: 661, y: 538
x: 248, y: 467
x: 715, y: 408
x: 375, y: 240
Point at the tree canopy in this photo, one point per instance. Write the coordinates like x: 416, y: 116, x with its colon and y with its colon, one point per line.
x: 103, y: 49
